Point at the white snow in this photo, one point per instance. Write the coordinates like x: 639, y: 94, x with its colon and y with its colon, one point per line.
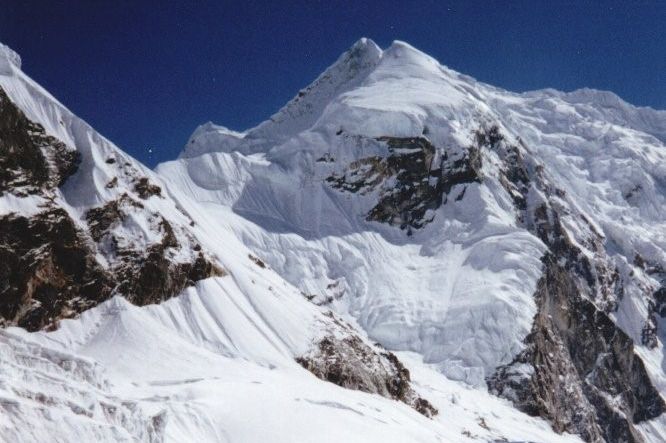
x: 455, y: 299
x: 182, y: 371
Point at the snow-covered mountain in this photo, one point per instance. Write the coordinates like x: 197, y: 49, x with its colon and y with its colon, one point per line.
x: 401, y: 253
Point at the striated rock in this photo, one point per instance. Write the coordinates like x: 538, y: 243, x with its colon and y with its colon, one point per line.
x: 657, y: 309
x: 145, y: 189
x: 579, y: 370
x: 461, y: 169
x: 660, y: 302
x: 154, y: 277
x: 102, y: 218
x: 515, y: 176
x: 49, y: 270
x: 257, y: 261
x: 656, y: 301
x: 414, y: 192
x: 149, y: 274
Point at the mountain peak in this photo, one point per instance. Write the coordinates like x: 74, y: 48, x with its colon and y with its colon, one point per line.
x: 302, y: 111
x: 507, y: 245
x: 364, y: 65
x: 400, y: 55
x: 399, y: 45
x: 365, y: 44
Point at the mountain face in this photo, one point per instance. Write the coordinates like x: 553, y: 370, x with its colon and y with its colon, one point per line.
x: 401, y: 253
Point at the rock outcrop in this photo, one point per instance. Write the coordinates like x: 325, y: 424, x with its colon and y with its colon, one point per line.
x: 50, y: 267
x: 48, y: 270
x: 579, y: 369
x: 412, y: 181
x: 656, y: 304
x: 31, y: 161
x: 352, y: 363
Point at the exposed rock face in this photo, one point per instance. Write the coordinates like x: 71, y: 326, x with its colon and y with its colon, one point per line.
x: 145, y: 189
x: 49, y: 268
x: 583, y: 374
x: 419, y: 179
x: 579, y: 369
x: 514, y: 177
x: 146, y: 275
x: 155, y: 277
x: 411, y: 162
x: 30, y: 160
x: 660, y: 302
x: 657, y: 303
x: 354, y: 364
x: 102, y: 218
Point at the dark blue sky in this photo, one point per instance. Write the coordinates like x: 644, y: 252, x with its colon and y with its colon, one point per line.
x: 145, y: 74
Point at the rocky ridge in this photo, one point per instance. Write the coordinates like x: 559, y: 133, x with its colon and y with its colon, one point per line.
x: 50, y: 268
x: 579, y: 369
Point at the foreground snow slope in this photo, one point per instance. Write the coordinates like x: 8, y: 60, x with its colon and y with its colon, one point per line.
x: 129, y: 374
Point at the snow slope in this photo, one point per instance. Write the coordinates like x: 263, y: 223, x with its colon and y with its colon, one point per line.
x: 191, y: 391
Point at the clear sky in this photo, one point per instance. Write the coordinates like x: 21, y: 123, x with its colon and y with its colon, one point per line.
x: 145, y: 74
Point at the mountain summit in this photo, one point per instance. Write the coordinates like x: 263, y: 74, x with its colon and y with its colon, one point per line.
x: 400, y: 253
